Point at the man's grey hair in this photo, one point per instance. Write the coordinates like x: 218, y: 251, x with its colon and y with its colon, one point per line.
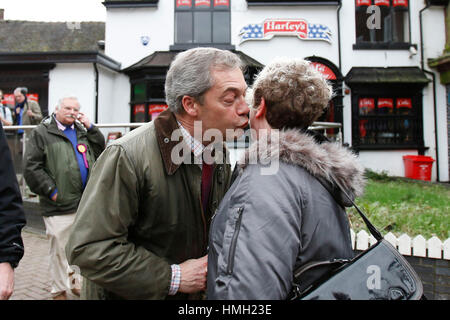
x: 22, y: 90
x: 67, y: 96
x: 190, y: 74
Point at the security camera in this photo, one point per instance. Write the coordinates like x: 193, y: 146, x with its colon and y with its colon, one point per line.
x: 412, y: 51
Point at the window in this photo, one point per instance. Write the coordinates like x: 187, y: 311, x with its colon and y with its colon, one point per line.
x: 384, y: 120
x: 147, y: 101
x: 384, y: 26
x: 202, y: 22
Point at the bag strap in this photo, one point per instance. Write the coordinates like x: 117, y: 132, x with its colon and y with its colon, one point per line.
x: 374, y: 231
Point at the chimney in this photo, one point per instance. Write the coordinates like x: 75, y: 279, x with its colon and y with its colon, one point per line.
x: 2, y: 14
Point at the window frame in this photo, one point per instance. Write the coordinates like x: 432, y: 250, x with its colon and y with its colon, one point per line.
x: 211, y: 9
x: 394, y: 92
x: 385, y: 45
x: 148, y: 98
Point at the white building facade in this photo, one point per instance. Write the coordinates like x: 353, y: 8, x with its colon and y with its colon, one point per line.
x: 371, y: 51
x: 390, y: 104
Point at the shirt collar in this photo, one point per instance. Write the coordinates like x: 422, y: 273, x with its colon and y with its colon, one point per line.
x: 61, y: 126
x: 196, y: 146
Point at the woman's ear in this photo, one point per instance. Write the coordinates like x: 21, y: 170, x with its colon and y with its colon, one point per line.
x: 189, y: 106
x: 261, y: 111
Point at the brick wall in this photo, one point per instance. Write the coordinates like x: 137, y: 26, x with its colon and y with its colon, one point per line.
x: 435, y: 276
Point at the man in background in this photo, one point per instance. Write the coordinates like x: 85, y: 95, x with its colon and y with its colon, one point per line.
x: 59, y: 156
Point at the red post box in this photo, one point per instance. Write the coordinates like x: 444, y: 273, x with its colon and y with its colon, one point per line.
x: 418, y: 167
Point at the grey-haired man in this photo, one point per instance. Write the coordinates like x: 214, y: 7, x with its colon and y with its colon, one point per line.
x: 142, y: 226
x: 59, y: 157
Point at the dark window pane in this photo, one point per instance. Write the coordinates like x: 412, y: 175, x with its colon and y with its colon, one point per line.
x: 406, y: 129
x: 183, y: 27
x: 202, y: 27
x: 362, y: 32
x: 386, y: 132
x: 221, y: 27
x: 139, y: 92
x: 400, y: 26
x: 156, y: 91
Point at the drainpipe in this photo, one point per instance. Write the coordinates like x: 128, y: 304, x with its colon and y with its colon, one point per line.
x: 422, y: 64
x: 96, y: 92
x: 339, y: 34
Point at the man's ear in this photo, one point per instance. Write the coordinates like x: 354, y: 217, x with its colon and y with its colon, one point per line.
x: 189, y: 105
x: 261, y: 112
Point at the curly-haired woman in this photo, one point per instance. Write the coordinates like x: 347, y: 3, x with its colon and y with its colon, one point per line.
x: 272, y: 221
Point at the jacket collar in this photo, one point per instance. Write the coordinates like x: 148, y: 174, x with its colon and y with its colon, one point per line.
x: 165, y: 124
x: 320, y: 160
x: 50, y: 123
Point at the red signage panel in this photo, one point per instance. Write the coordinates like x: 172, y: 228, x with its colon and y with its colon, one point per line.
x: 139, y: 108
x: 184, y: 3
x: 385, y: 103
x: 155, y: 109
x: 360, y: 3
x: 368, y: 103
x: 221, y: 3
x: 326, y: 71
x: 382, y: 3
x: 404, y: 103
x: 202, y: 3
x: 9, y: 98
x: 400, y: 3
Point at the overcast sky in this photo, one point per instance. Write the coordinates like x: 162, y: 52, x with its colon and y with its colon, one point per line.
x: 54, y: 10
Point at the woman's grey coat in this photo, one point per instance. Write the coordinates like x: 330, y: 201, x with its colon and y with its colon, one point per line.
x: 269, y: 224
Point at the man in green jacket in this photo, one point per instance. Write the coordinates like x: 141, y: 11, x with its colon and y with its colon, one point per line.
x: 141, y: 230
x: 59, y: 156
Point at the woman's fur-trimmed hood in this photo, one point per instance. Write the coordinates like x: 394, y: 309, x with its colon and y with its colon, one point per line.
x: 322, y: 160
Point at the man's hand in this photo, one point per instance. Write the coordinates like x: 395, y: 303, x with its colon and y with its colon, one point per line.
x: 6, y: 280
x: 30, y: 113
x: 84, y: 120
x: 193, y: 275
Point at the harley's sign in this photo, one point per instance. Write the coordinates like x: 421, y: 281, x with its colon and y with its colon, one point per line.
x: 285, y: 27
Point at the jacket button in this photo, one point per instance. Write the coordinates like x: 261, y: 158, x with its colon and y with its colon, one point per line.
x: 166, y: 140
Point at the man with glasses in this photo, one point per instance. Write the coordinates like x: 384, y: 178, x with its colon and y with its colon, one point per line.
x: 59, y: 156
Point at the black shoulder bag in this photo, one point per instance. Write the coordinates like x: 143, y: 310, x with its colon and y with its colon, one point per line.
x: 378, y: 273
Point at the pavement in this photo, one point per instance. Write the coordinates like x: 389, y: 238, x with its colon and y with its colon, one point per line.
x: 32, y: 276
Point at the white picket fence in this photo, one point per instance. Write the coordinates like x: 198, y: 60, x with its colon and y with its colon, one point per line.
x: 417, y: 246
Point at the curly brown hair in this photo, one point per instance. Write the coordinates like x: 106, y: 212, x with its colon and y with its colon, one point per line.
x: 296, y: 94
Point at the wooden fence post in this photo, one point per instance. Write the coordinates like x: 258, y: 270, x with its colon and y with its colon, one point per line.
x: 404, y: 244
x: 419, y: 246
x: 434, y: 245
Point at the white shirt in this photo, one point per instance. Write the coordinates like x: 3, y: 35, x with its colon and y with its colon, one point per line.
x: 5, y: 113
